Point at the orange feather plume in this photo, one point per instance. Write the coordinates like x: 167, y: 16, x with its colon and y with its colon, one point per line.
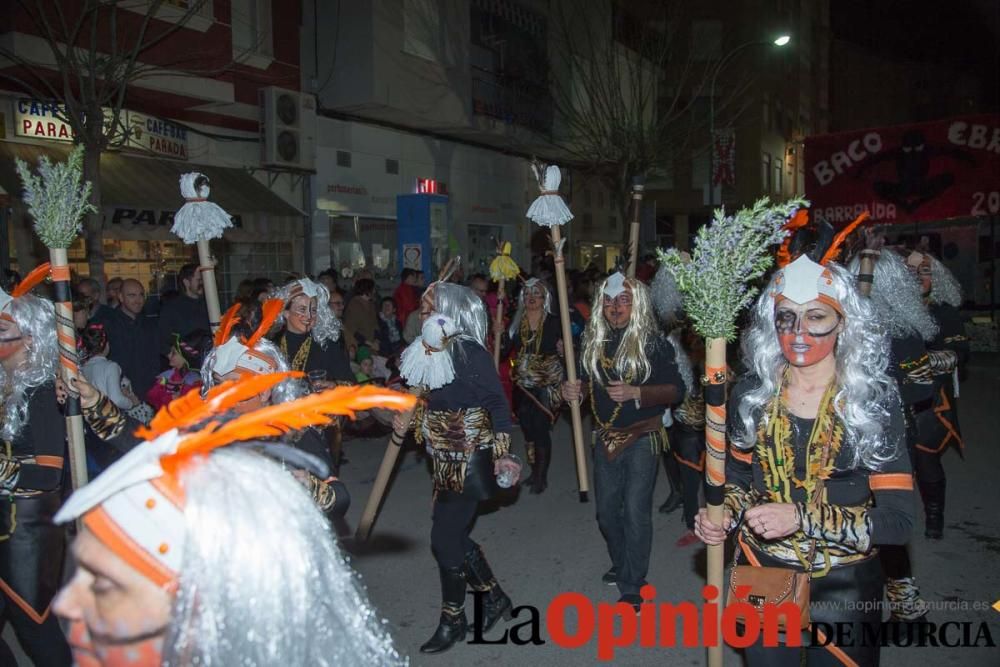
x: 32, y: 280
x: 797, y: 221
x: 191, y: 408
x: 838, y: 240
x: 226, y: 324
x: 276, y: 420
x: 270, y: 312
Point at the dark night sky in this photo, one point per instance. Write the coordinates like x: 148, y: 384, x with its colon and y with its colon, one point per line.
x: 963, y: 33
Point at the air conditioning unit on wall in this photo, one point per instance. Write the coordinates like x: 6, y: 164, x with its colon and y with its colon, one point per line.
x: 287, y: 129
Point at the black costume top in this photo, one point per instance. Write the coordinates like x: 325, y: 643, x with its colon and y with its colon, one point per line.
x: 937, y: 427
x: 861, y: 506
x: 538, y: 369
x: 470, y: 413
x: 331, y: 358
x: 909, y: 366
x: 31, y: 548
x: 663, y: 371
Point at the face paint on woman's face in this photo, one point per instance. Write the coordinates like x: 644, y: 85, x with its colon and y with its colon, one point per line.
x: 534, y: 298
x: 807, y: 333
x: 922, y: 271
x: 301, y: 314
x: 11, y: 340
x: 117, y: 616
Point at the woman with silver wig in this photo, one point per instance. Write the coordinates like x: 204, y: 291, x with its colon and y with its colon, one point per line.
x: 310, y: 337
x: 33, y: 434
x: 937, y: 425
x: 464, y: 423
x: 535, y: 338
x: 628, y: 375
x: 895, y: 296
x: 198, y: 548
x: 817, y: 472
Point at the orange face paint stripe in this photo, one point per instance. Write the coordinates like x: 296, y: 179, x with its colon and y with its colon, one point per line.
x: 111, y: 534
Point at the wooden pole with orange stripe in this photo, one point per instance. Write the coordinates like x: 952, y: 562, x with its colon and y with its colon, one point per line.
x: 58, y: 198
x: 717, y: 283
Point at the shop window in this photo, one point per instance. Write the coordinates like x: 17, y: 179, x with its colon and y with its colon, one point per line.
x: 765, y: 172
x: 358, y: 243
x: 344, y: 159
x: 247, y: 261
x: 777, y: 177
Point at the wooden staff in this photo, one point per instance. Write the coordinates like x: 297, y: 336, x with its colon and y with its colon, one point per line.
x: 498, y: 324
x: 633, y: 238
x: 715, y: 467
x: 207, y: 269
x: 567, y: 337
x: 69, y: 366
x: 382, y: 479
x: 392, y: 451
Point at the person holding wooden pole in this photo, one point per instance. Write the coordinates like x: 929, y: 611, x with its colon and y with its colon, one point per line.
x: 502, y: 269
x: 549, y: 210
x: 465, y: 424
x: 33, y: 434
x: 629, y: 375
x: 638, y: 187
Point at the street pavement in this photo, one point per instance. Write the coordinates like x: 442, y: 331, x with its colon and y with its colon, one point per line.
x: 541, y: 546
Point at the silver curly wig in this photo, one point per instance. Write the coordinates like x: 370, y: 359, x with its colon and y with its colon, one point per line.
x: 865, y: 393
x: 285, y: 391
x: 944, y: 286
x: 262, y: 582
x: 327, y: 326
x: 515, y: 322
x: 896, y: 296
x: 464, y: 307
x: 682, y: 360
x: 667, y: 298
x: 35, y: 317
x: 630, y: 359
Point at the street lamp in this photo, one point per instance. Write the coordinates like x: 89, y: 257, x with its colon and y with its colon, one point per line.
x: 780, y: 41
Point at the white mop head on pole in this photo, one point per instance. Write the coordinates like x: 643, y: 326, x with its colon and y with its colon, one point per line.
x: 199, y: 219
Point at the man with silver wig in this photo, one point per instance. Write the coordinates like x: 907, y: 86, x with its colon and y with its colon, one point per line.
x: 937, y: 427
x: 899, y: 306
x: 33, y: 433
x: 535, y: 338
x: 464, y: 423
x: 629, y: 375
x: 817, y: 472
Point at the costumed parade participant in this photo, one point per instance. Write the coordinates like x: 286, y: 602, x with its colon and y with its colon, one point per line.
x: 31, y: 473
x: 537, y: 373
x: 311, y: 331
x: 817, y: 473
x: 937, y: 427
x: 196, y: 550
x: 629, y: 376
x: 896, y: 297
x: 464, y: 423
x: 684, y: 463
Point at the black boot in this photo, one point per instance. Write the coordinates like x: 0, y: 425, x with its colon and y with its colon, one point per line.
x: 541, y: 470
x: 676, y: 497
x: 453, y: 624
x: 933, y: 494
x: 496, y: 604
x: 529, y: 455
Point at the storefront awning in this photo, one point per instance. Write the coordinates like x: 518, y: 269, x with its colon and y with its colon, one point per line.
x: 150, y: 183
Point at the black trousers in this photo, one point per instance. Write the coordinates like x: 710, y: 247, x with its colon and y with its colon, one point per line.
x: 689, y: 450
x: 535, y: 424
x: 451, y: 524
x: 44, y: 643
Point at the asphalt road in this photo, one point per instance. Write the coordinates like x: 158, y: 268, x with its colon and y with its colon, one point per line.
x: 541, y: 546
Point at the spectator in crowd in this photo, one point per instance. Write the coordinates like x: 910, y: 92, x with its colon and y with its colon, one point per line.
x: 480, y: 284
x: 407, y: 294
x: 390, y: 336
x: 10, y: 280
x: 89, y: 289
x: 263, y: 288
x: 134, y: 338
x: 583, y: 294
x: 328, y: 279
x: 114, y: 292
x: 337, y: 303
x: 244, y: 291
x: 366, y: 365
x: 361, y: 318
x: 103, y: 373
x: 184, y: 314
x: 184, y: 374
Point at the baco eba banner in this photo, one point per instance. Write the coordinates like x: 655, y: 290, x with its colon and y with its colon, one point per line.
x: 907, y: 173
